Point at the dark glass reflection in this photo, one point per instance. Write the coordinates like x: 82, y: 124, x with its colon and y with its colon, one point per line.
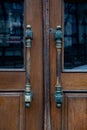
x: 75, y: 36
x: 11, y: 34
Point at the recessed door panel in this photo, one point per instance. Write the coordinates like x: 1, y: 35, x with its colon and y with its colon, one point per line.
x: 12, y: 112
x: 75, y: 112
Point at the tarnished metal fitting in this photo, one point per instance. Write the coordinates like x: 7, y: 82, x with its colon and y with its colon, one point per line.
x: 28, y: 32
x: 58, y: 36
x: 29, y: 43
x: 28, y: 95
x: 28, y: 36
x: 58, y: 96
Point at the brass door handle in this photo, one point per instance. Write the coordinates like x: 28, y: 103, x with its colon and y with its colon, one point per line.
x: 28, y: 96
x: 58, y: 94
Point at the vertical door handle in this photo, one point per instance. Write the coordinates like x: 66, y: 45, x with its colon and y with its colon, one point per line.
x: 28, y: 96
x: 58, y: 94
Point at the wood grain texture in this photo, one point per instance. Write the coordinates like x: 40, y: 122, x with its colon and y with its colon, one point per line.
x: 74, y: 81
x: 46, y: 47
x: 75, y: 111
x: 34, y: 115
x: 12, y: 80
x: 12, y: 111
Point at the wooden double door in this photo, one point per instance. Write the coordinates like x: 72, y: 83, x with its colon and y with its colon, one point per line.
x: 43, y: 16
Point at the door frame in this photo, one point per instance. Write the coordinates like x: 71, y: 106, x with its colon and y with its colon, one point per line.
x: 46, y: 63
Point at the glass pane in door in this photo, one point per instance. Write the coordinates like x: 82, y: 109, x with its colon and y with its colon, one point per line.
x: 11, y: 34
x: 75, y: 35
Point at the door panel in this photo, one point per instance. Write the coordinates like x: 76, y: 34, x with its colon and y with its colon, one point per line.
x: 12, y: 112
x: 75, y: 81
x: 13, y: 80
x: 75, y: 111
x: 72, y: 115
